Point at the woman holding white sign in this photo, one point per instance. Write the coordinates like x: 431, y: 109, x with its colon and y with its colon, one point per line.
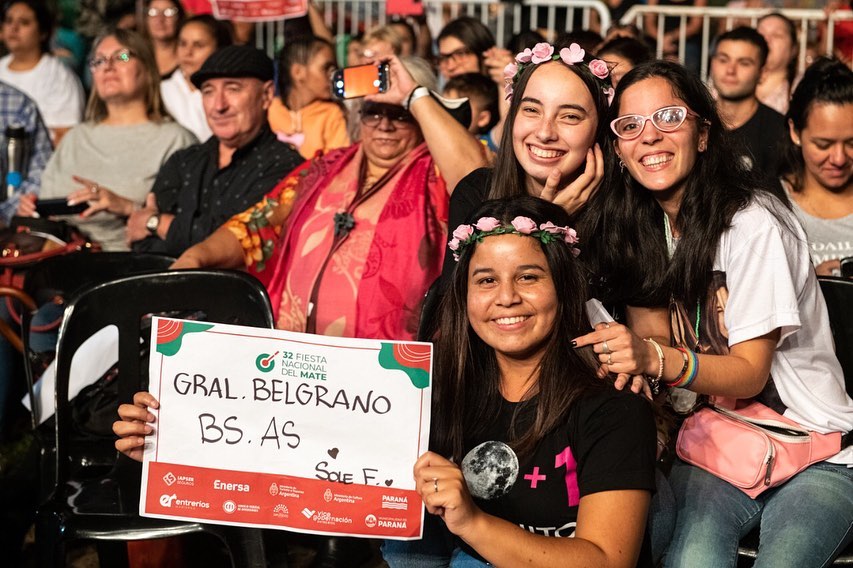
x: 530, y: 446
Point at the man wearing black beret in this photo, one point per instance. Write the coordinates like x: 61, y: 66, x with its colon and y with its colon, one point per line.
x: 201, y: 187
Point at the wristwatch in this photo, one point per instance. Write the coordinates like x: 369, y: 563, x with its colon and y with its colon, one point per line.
x: 152, y: 223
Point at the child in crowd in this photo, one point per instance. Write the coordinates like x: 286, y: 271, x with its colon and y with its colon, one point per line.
x: 302, y: 113
x: 482, y: 94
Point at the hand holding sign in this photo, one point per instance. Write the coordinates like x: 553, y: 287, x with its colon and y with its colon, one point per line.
x: 276, y: 429
x: 136, y: 422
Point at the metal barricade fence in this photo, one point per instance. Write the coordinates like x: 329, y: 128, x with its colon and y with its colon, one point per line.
x: 507, y: 18
x: 503, y: 18
x: 806, y: 20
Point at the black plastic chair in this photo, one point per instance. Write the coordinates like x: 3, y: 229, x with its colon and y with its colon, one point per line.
x: 838, y: 293
x: 62, y: 276
x: 106, y: 507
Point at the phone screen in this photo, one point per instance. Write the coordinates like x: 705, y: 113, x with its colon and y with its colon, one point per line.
x: 362, y: 80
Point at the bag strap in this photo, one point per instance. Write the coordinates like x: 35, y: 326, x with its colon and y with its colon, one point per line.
x: 5, y: 329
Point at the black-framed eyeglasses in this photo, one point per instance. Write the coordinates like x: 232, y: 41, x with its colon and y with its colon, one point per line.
x: 167, y: 12
x: 666, y: 119
x: 455, y: 55
x: 121, y: 56
x: 399, y: 118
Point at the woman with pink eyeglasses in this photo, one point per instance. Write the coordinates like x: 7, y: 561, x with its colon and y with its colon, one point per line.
x: 724, y: 309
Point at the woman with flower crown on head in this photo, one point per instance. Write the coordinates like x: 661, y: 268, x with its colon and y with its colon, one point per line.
x: 550, y: 145
x: 724, y: 304
x: 529, y: 447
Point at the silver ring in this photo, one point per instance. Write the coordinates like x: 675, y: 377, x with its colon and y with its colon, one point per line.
x: 435, y: 483
x: 609, y: 359
x: 94, y: 188
x: 604, y: 348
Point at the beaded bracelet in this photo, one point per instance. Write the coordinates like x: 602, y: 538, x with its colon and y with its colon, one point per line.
x: 654, y: 383
x: 688, y: 372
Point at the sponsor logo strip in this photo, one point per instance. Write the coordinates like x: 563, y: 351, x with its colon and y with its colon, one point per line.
x: 292, y: 503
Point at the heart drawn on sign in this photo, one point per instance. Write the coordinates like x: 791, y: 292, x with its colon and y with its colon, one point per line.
x: 388, y: 482
x: 333, y: 453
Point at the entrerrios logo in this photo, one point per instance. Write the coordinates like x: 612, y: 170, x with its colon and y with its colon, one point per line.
x: 265, y: 362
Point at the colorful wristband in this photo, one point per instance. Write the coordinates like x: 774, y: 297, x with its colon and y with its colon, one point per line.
x: 688, y: 372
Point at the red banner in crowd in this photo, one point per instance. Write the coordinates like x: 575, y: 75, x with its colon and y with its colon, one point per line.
x: 259, y: 10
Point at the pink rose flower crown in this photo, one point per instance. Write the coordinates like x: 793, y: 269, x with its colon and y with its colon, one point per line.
x: 572, y: 55
x: 547, y: 233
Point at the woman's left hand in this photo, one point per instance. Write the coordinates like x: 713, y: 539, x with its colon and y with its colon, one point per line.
x: 619, y: 350
x: 572, y: 196
x: 400, y: 84
x: 445, y: 493
x: 99, y: 198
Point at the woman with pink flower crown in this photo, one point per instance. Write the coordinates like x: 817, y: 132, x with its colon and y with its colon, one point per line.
x: 550, y: 147
x: 533, y: 460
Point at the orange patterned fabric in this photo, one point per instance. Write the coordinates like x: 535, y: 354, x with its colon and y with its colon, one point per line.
x: 258, y: 228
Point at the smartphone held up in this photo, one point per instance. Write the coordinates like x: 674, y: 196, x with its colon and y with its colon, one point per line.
x: 360, y: 81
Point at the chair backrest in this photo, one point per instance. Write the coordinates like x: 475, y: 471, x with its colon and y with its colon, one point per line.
x: 65, y: 275
x: 838, y: 293
x: 221, y: 296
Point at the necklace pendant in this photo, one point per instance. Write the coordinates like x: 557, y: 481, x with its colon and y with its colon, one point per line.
x: 344, y: 222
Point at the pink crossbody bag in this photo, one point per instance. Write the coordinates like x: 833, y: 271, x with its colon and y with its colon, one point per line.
x: 752, y: 447
x: 743, y: 442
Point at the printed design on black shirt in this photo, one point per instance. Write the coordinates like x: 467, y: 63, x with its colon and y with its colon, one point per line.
x: 567, y: 460
x: 534, y: 477
x: 490, y: 470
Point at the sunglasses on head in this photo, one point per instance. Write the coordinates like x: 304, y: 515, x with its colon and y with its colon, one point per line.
x: 666, y: 119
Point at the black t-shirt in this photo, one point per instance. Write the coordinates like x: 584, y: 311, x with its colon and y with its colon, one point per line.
x: 762, y: 136
x: 468, y: 195
x: 607, y: 443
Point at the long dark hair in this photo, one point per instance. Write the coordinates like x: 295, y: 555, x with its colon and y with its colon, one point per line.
x: 624, y: 232
x: 509, y: 179
x: 827, y: 81
x: 467, y: 393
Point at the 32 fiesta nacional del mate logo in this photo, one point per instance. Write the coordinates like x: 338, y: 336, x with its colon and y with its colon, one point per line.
x: 265, y: 362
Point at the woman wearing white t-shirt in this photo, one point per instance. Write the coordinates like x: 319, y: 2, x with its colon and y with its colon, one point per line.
x: 198, y: 37
x: 723, y: 271
x: 27, y: 28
